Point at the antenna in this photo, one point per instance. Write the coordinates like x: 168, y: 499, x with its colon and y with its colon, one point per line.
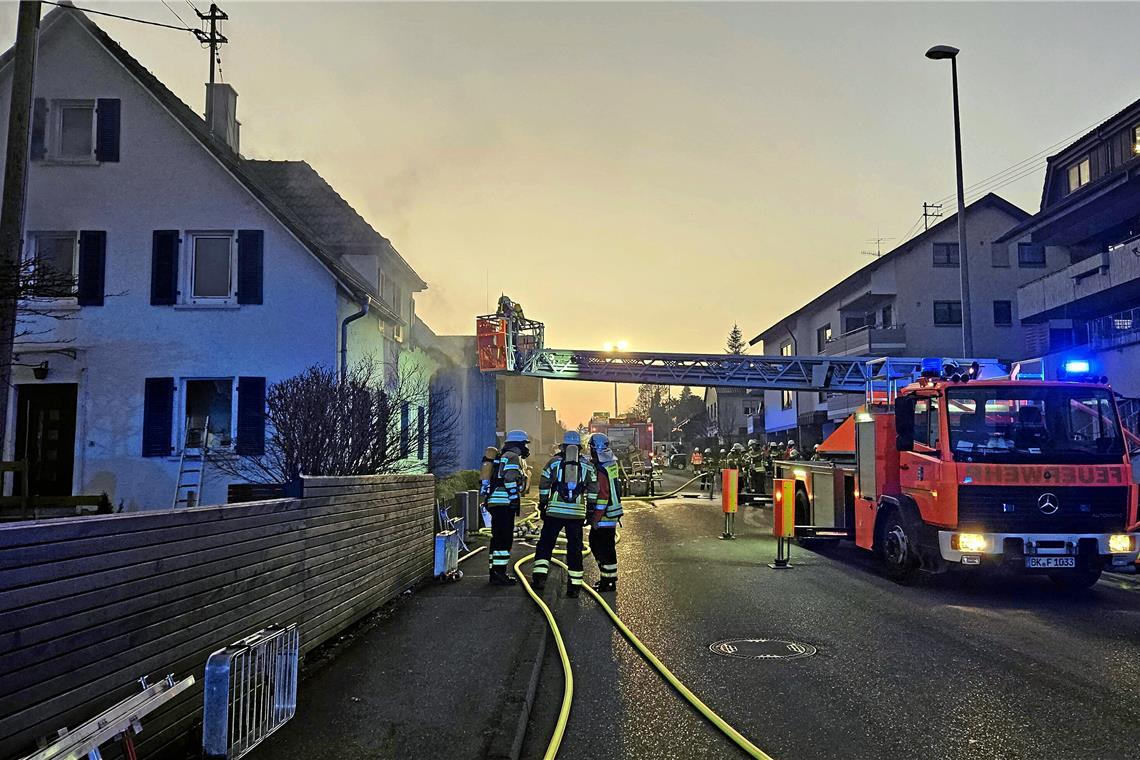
x: 878, y: 241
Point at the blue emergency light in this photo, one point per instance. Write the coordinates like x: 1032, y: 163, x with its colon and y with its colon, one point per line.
x: 1076, y: 367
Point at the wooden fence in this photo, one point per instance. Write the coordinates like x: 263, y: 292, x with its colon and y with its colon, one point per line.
x: 90, y: 604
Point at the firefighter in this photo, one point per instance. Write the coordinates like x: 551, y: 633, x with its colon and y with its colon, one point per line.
x: 815, y: 455
x: 754, y: 464
x: 696, y: 460
x: 792, y: 453
x: 504, y: 489
x: 736, y: 457
x: 607, y: 511
x: 706, y: 468
x: 567, y: 491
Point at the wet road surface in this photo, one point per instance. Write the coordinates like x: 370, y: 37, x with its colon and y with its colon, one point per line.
x: 984, y: 667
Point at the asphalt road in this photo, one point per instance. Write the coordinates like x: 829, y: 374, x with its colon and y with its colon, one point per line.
x: 985, y: 667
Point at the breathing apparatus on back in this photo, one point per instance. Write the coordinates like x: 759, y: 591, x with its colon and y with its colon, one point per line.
x: 571, y: 467
x: 488, y: 469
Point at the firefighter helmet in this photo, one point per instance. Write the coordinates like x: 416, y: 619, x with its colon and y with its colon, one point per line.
x: 518, y: 436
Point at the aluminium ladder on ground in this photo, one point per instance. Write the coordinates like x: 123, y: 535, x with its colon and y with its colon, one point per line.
x: 192, y: 466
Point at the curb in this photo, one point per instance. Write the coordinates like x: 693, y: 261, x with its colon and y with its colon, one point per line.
x: 507, y: 743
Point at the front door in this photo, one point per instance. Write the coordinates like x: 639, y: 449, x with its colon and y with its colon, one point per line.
x: 45, y: 436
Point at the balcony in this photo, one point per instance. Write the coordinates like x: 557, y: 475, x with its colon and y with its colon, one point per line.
x: 1093, y: 287
x: 868, y: 341
x: 1119, y: 329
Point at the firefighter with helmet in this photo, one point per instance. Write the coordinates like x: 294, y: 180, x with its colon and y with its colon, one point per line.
x: 696, y: 460
x: 567, y: 492
x: 706, y: 468
x: 503, y: 484
x: 607, y: 512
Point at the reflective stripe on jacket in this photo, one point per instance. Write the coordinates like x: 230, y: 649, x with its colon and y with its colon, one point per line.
x: 609, y: 492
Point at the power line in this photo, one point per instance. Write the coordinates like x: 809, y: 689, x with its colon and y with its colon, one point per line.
x: 118, y: 16
x: 174, y: 12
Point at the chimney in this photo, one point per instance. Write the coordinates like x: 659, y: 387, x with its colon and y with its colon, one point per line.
x: 221, y: 114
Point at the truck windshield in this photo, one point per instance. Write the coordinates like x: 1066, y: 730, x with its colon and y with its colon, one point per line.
x: 1033, y: 424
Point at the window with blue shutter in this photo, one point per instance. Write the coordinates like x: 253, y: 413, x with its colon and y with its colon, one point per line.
x: 92, y: 267
x: 158, y: 417
x: 164, y: 268
x: 250, y: 417
x: 107, y: 129
x: 251, y: 244
x: 405, y: 433
x: 38, y: 149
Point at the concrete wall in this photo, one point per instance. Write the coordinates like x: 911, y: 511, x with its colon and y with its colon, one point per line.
x: 89, y: 604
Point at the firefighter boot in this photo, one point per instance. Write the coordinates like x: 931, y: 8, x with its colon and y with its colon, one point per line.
x: 572, y: 590
x: 606, y: 584
x: 500, y: 577
x: 538, y: 581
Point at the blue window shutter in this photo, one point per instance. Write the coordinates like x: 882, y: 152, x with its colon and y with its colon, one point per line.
x: 107, y: 129
x: 158, y: 417
x: 39, y: 130
x: 251, y: 245
x: 92, y: 267
x: 164, y: 268
x: 405, y: 432
x: 250, y: 416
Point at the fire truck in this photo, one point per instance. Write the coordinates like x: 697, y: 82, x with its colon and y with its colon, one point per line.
x: 953, y: 470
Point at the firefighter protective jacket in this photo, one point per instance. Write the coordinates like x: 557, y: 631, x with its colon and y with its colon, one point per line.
x: 506, y: 482
x: 609, y: 495
x: 554, y: 492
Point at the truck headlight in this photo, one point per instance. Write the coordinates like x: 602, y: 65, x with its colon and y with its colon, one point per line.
x: 970, y: 543
x: 1123, y: 543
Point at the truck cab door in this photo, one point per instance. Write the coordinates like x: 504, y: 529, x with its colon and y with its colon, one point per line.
x: 920, y: 470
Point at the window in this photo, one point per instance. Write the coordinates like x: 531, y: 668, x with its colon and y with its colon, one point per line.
x: 405, y: 430
x: 1136, y: 140
x: 74, y: 130
x: 822, y: 336
x: 209, y: 412
x: 926, y: 423
x: 851, y: 324
x: 1030, y: 256
x: 421, y: 438
x: 946, y: 255
x: 947, y: 312
x: 786, y: 348
x: 785, y: 399
x: 1003, y: 313
x: 52, y: 264
x: 888, y: 316
x: 211, y: 271
x: 1079, y: 174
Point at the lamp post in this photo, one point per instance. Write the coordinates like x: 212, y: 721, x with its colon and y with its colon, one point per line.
x: 609, y: 348
x: 941, y: 53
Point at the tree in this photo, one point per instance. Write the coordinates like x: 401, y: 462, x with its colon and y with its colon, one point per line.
x: 366, y: 424
x: 735, y: 343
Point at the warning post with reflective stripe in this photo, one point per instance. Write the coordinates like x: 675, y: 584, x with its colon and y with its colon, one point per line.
x: 729, y: 495
x: 783, y: 519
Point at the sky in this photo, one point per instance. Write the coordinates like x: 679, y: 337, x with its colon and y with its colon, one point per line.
x: 646, y: 172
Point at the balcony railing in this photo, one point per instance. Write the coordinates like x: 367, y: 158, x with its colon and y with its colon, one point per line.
x: 1117, y: 329
x: 868, y: 340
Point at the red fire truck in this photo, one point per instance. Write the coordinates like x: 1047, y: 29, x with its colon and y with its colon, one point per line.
x: 1023, y: 473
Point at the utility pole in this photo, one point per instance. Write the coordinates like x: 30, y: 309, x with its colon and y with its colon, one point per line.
x: 15, y: 188
x: 213, y: 39
x: 930, y: 211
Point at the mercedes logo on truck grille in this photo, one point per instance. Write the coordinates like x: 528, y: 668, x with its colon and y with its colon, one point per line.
x: 1047, y: 503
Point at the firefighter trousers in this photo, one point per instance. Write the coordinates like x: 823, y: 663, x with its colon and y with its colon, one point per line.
x: 502, y: 535
x: 603, y: 543
x: 551, y: 527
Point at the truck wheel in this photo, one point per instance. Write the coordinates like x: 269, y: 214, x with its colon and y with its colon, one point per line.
x: 1078, y: 580
x: 896, y: 547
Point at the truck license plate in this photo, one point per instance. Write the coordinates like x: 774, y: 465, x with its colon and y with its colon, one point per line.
x: 1050, y: 562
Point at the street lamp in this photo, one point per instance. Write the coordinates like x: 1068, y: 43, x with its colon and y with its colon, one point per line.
x: 609, y: 347
x: 941, y: 53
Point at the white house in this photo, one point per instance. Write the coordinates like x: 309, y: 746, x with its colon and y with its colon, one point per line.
x: 202, y: 276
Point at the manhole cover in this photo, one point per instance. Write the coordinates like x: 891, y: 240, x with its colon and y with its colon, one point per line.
x: 762, y: 649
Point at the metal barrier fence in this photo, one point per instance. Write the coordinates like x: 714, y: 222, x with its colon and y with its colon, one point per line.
x: 250, y: 691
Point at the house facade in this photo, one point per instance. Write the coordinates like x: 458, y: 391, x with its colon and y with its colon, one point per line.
x: 1089, y: 220
x: 906, y: 302
x: 729, y: 413
x: 202, y: 278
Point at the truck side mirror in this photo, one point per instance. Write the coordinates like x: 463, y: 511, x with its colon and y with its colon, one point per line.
x: 904, y: 423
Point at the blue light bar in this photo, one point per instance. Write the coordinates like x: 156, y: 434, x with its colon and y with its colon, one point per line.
x: 932, y: 364
x: 1076, y: 367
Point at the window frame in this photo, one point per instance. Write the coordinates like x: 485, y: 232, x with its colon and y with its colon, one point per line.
x: 182, y: 398
x: 1134, y: 149
x: 1084, y: 161
x: 823, y: 336
x: 55, y: 130
x: 887, y: 316
x: 953, y: 259
x: 186, y: 265
x: 949, y: 304
x: 31, y: 251
x: 1009, y: 307
x: 1024, y: 263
